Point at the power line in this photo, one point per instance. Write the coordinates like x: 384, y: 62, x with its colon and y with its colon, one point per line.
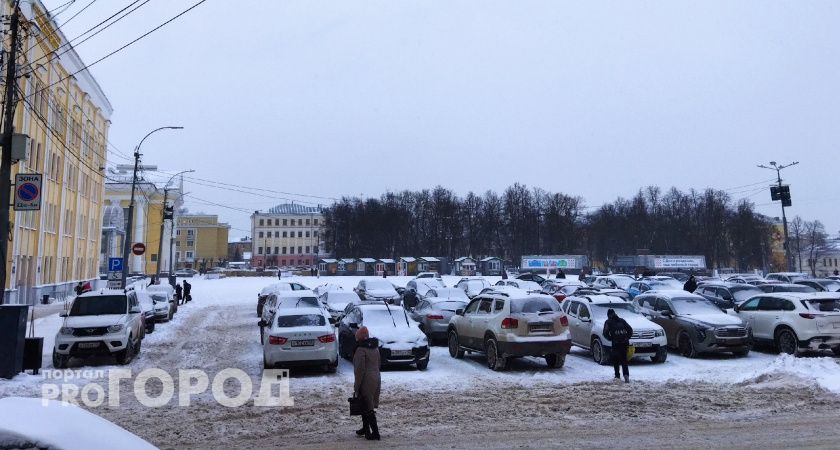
x: 193, y: 178
x: 218, y: 204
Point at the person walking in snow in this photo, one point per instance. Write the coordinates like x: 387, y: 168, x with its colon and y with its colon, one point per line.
x: 690, y: 285
x: 178, y: 297
x: 187, y: 289
x: 367, y: 382
x: 618, y: 331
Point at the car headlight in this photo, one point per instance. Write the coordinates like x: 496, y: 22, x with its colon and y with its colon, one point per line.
x: 659, y: 333
x: 115, y: 328
x: 701, y: 331
x: 66, y: 330
x: 421, y: 341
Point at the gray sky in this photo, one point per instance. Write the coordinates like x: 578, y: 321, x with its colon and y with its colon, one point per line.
x: 588, y: 98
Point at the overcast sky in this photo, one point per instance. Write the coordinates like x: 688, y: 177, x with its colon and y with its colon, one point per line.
x: 595, y: 99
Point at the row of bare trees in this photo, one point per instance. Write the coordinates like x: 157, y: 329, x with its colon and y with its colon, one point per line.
x: 809, y: 243
x: 522, y: 221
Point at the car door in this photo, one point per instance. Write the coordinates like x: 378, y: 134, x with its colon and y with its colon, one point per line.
x: 747, y: 312
x: 465, y: 330
x: 480, y: 320
x: 419, y: 312
x: 662, y: 309
x: 583, y: 325
x: 136, y: 320
x: 574, y: 322
x: 766, y: 316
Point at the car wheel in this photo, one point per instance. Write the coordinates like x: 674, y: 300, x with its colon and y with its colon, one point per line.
x: 786, y: 341
x: 836, y: 351
x: 422, y: 364
x: 495, y: 361
x: 741, y: 353
x: 598, y: 353
x: 455, y: 350
x: 126, y: 355
x: 661, y: 355
x: 686, y: 346
x: 555, y: 360
x: 60, y: 361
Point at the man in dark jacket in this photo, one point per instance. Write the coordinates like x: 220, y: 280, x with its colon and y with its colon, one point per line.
x: 618, y: 331
x: 690, y: 285
x: 178, y: 297
x: 187, y: 289
x: 560, y: 273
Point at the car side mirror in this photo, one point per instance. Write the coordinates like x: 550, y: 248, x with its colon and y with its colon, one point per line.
x: 135, y: 310
x: 459, y: 312
x: 736, y: 308
x: 62, y: 314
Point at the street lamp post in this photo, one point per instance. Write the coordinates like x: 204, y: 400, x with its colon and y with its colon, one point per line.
x: 778, y: 168
x: 127, y: 243
x: 163, y: 221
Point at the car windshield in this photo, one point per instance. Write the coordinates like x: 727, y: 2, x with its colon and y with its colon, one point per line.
x: 831, y: 286
x: 622, y: 282
x: 99, y: 305
x: 159, y: 298
x: 477, y: 285
x: 744, y: 292
x: 383, y: 318
x: 449, y: 305
x: 298, y: 301
x: 795, y: 288
x: 451, y: 293
x: 379, y: 284
x: 622, y: 309
x: 534, y: 305
x: 823, y: 305
x: 301, y: 320
x: 694, y: 306
x: 528, y: 285
x: 341, y: 297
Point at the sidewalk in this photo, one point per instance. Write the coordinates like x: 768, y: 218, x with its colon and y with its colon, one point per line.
x: 41, y: 311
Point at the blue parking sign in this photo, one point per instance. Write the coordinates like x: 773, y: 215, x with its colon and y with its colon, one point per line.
x: 115, y: 264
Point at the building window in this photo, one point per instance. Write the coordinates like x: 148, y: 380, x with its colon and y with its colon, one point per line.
x: 190, y: 232
x: 276, y: 234
x: 284, y: 222
x: 307, y: 249
x: 190, y: 243
x: 268, y: 250
x: 154, y: 257
x: 284, y: 234
x: 307, y: 234
x: 315, y: 233
x: 189, y: 255
x: 300, y: 233
x: 260, y: 234
x: 300, y: 250
x: 276, y: 250
x: 276, y: 222
x: 315, y: 221
x: 177, y: 243
x: 284, y: 250
x: 283, y: 262
x: 261, y: 222
x: 177, y: 232
x: 307, y: 222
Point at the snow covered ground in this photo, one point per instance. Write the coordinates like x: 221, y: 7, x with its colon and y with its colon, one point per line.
x: 218, y: 331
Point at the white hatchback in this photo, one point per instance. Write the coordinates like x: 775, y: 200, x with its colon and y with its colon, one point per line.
x: 300, y: 337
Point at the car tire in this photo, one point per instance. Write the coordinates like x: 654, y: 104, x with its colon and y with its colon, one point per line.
x: 422, y: 364
x: 787, y: 342
x: 126, y: 355
x: 60, y: 361
x: 836, y: 351
x: 599, y: 354
x: 455, y: 349
x: 555, y: 360
x: 661, y: 355
x: 495, y: 361
x: 741, y: 353
x: 686, y: 346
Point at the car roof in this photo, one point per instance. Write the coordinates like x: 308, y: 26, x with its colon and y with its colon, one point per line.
x: 294, y: 294
x: 715, y: 283
x: 597, y: 299
x: 671, y: 293
x: 804, y: 295
x: 102, y: 292
x: 788, y: 273
x: 299, y: 311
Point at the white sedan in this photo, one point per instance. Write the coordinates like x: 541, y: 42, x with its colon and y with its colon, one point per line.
x: 299, y: 336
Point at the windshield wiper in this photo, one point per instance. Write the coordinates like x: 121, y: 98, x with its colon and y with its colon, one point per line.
x: 389, y: 313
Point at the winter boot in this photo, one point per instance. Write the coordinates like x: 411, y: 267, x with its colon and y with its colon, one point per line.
x: 626, y: 378
x: 365, y: 430
x: 374, y: 428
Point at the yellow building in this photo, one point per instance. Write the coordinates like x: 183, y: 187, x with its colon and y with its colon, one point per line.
x: 66, y: 115
x: 201, y: 242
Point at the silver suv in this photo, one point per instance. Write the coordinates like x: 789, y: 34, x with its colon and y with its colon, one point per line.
x: 105, y: 322
x: 511, y: 324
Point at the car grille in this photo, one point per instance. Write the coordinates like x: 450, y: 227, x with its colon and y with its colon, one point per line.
x: 540, y: 327
x: 93, y: 331
x: 731, y: 332
x: 643, y: 334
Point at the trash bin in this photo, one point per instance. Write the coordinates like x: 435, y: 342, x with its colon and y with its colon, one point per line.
x: 33, y: 348
x: 45, y: 299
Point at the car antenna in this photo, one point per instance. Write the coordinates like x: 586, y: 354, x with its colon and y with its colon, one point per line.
x: 389, y: 313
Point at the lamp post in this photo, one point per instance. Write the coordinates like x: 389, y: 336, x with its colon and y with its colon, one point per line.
x: 785, y: 202
x: 127, y: 243
x: 163, y: 221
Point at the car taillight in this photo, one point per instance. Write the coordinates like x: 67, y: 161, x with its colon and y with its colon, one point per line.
x: 807, y: 316
x: 564, y: 321
x: 327, y: 338
x: 560, y: 297
x: 510, y: 322
x: 276, y: 340
x: 434, y: 317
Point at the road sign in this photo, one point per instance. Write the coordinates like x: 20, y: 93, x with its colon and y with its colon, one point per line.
x: 115, y: 264
x: 114, y: 276
x: 112, y: 284
x: 138, y: 248
x: 27, y: 192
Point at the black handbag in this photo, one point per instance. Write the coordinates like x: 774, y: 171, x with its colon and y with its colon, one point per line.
x: 357, y: 406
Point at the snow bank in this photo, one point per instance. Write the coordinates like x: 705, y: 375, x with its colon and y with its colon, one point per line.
x: 787, y: 370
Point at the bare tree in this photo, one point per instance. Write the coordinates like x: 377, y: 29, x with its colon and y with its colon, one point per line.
x: 816, y: 241
x: 797, y: 235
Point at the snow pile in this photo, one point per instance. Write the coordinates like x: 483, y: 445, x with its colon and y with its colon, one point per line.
x: 787, y: 371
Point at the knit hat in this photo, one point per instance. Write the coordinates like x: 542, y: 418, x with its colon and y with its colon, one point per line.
x: 362, y: 334
x: 610, y: 312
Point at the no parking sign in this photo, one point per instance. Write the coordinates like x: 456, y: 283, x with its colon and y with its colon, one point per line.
x: 28, y: 192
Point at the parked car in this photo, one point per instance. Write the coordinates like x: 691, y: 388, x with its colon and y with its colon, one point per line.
x: 786, y: 277
x: 288, y: 299
x: 726, y: 295
x: 639, y: 287
x: 530, y: 276
x: 326, y: 287
x: 525, y: 285
x: 416, y: 289
x: 682, y: 277
x: 337, y: 301
x: 619, y: 293
x: 560, y: 291
x: 472, y: 286
x: 745, y: 278
x: 149, y: 313
x: 588, y: 314
x: 433, y: 275
x: 185, y: 273
x: 301, y: 336
x: 400, y: 338
x: 786, y: 287
x: 794, y: 322
x: 613, y: 281
x: 669, y: 281
x: 163, y: 306
x: 167, y: 290
x: 434, y: 312
x: 821, y: 284
x: 103, y: 322
x: 377, y: 289
x: 274, y: 288
x: 508, y: 325
x: 695, y: 325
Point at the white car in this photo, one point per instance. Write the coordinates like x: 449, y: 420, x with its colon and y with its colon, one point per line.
x: 377, y: 289
x: 587, y: 315
x: 528, y: 286
x: 337, y: 301
x: 104, y: 322
x: 288, y: 299
x: 416, y: 290
x: 613, y: 281
x: 274, y: 288
x: 433, y: 275
x: 326, y: 287
x: 794, y: 322
x: 401, y: 342
x: 472, y: 286
x: 786, y: 277
x: 300, y: 336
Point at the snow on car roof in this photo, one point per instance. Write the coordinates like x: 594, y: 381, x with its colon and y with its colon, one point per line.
x: 805, y: 295
x: 599, y: 299
x: 674, y: 293
x: 299, y: 310
x: 295, y: 294
x: 101, y: 292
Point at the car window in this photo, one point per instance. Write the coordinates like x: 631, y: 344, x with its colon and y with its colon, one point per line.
x: 787, y: 305
x: 662, y: 306
x: 499, y: 305
x: 500, y: 283
x: 431, y: 293
x: 486, y: 306
x: 301, y: 320
x: 573, y: 308
x: 565, y: 307
x: 750, y: 305
x: 769, y: 304
x: 472, y: 307
x: 583, y: 312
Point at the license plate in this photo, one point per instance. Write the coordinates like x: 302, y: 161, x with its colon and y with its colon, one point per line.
x: 304, y: 343
x: 88, y: 344
x: 643, y: 344
x: 401, y: 353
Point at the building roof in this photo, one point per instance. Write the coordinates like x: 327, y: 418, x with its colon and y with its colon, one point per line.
x: 408, y: 258
x: 329, y: 260
x: 463, y: 258
x: 348, y: 260
x: 429, y: 259
x: 388, y: 261
x: 367, y: 260
x: 294, y: 208
x: 489, y: 258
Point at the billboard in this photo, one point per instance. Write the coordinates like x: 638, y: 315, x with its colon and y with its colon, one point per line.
x: 552, y: 262
x: 679, y: 262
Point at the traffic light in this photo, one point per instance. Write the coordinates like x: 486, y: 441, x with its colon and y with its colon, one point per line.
x: 168, y: 212
x: 774, y: 193
x: 781, y: 193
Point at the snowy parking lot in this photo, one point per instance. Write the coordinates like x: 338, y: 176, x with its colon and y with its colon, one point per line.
x: 762, y: 399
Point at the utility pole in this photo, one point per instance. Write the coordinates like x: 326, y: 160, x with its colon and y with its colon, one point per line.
x: 782, y: 192
x: 6, y: 159
x: 167, y: 213
x: 163, y: 211
x: 127, y: 243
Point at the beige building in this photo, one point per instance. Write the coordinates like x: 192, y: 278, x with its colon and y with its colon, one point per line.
x: 66, y: 115
x: 287, y: 235
x: 201, y: 241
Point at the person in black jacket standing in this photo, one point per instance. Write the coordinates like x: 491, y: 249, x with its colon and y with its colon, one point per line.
x: 187, y: 289
x: 690, y: 285
x: 618, y: 331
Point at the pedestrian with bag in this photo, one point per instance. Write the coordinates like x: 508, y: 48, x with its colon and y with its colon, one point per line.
x: 618, y: 331
x: 178, y: 297
x: 187, y: 289
x: 367, y: 382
